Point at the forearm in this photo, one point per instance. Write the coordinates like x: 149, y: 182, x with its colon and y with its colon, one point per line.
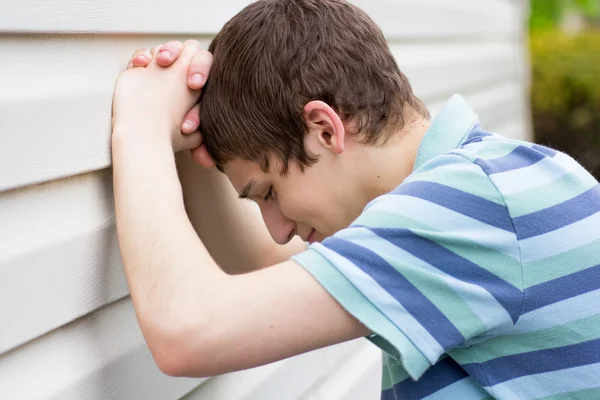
x: 167, y: 268
x: 231, y: 229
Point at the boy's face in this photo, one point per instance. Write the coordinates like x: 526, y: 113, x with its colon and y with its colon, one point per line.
x: 328, y: 196
x: 313, y: 204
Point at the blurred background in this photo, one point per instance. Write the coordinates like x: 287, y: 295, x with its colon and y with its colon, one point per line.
x: 565, y: 91
x: 67, y: 325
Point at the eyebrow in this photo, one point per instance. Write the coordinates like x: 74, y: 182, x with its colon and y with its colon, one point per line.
x: 246, y: 190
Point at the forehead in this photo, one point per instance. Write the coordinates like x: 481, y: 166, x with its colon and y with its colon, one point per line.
x: 242, y: 172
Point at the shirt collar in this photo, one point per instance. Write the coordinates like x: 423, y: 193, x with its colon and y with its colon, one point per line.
x: 447, y: 131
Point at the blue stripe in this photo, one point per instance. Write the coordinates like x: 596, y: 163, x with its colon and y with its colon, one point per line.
x: 456, y: 266
x: 400, y: 288
x: 476, y: 135
x: 441, y: 375
x: 562, y: 288
x: 389, y: 394
x: 544, y: 150
x: 535, y: 362
x: 520, y: 157
x: 462, y: 202
x: 558, y: 216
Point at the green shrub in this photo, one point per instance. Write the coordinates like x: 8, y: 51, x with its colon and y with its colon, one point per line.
x: 565, y: 94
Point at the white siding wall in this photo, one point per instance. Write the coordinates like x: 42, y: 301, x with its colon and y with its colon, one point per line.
x: 67, y: 326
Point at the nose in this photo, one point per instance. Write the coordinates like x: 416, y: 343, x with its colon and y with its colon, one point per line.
x: 281, y: 228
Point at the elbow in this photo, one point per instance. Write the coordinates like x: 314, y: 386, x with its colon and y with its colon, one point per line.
x: 175, y: 367
x: 170, y: 366
x: 181, y: 352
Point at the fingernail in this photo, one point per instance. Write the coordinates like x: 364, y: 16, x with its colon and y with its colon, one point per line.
x: 164, y: 53
x: 187, y: 125
x: 197, y: 79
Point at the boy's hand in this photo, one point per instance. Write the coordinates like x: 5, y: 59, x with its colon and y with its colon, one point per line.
x: 149, y: 103
x: 198, y: 70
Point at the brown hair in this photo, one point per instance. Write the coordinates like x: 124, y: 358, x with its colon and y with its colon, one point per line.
x: 277, y: 55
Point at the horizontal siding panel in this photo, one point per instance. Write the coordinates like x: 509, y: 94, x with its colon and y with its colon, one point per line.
x: 357, y: 379
x: 62, y: 259
x: 117, y: 16
x: 103, y: 356
x: 443, y: 19
x: 416, y: 19
x: 495, y: 106
x: 55, y: 111
x: 517, y: 129
x: 288, y: 379
x: 71, y: 97
x: 436, y: 71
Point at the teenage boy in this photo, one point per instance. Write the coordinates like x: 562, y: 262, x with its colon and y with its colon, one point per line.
x: 470, y: 259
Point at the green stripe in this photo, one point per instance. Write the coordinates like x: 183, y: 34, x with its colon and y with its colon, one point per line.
x: 434, y: 288
x: 386, y: 219
x: 562, y: 264
x: 585, y: 394
x: 393, y: 372
x: 464, y: 355
x: 442, y: 296
x: 501, y: 265
x: 550, y: 194
x: 574, y: 332
x: 357, y: 305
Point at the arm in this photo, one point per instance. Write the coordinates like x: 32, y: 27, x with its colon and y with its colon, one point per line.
x: 197, y: 320
x: 232, y: 230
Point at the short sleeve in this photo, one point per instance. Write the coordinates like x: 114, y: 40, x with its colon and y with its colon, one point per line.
x: 431, y: 266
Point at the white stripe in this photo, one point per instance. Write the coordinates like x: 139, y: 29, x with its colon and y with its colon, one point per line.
x: 477, y: 298
x: 558, y: 314
x: 442, y: 219
x: 561, y: 240
x: 538, y: 174
x: 549, y: 383
x: 388, y: 306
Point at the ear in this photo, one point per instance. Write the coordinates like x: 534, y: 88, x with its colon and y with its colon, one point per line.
x: 326, y: 125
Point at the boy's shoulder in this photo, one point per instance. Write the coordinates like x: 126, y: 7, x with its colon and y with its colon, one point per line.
x: 513, y: 166
x: 543, y: 194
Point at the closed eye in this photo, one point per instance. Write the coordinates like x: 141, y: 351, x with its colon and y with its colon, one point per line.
x: 269, y: 194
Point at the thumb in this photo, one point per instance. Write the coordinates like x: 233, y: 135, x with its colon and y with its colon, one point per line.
x: 187, y: 142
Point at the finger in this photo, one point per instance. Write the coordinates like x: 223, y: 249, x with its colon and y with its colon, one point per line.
x: 191, y: 121
x: 168, y: 53
x: 190, y: 47
x: 154, y: 50
x: 199, y: 69
x: 188, y: 142
x: 139, y: 58
x: 201, y: 157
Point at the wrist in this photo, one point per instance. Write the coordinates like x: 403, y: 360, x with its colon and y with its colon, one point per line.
x: 137, y: 135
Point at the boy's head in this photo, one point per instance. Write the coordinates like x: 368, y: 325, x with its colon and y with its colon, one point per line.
x: 300, y: 92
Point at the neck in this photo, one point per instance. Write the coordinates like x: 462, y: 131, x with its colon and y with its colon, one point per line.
x: 391, y: 164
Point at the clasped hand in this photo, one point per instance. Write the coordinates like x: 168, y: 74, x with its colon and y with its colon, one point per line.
x: 156, y: 97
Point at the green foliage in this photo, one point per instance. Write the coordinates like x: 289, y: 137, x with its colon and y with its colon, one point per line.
x: 546, y: 14
x: 566, y: 93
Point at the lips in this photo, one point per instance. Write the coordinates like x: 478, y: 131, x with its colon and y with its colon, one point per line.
x: 312, y: 236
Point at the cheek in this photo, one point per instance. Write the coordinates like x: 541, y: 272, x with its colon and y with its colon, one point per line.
x: 296, y: 205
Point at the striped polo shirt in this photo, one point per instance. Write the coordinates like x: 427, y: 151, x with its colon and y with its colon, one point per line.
x: 480, y: 274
